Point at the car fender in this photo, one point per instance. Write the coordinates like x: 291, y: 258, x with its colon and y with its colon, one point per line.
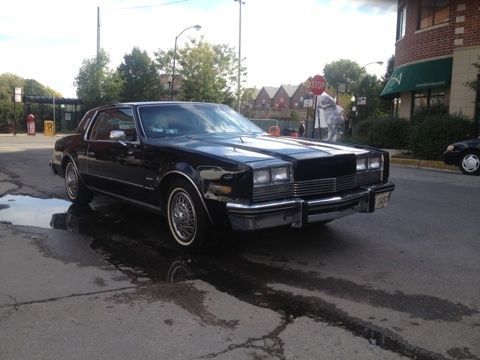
x: 190, y: 174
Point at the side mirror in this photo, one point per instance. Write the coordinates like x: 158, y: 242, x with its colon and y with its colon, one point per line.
x: 117, y: 135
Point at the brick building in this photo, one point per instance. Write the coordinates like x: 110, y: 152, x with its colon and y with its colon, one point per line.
x: 437, y: 41
x: 264, y: 98
x: 279, y: 98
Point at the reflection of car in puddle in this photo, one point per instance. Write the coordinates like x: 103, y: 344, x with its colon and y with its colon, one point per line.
x: 246, y: 279
x: 137, y: 256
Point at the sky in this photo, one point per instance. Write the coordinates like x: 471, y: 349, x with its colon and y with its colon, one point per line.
x: 283, y: 41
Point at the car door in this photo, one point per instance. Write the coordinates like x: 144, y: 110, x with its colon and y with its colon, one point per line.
x: 116, y: 166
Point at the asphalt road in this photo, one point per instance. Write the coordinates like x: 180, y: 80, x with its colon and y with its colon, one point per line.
x: 405, y: 279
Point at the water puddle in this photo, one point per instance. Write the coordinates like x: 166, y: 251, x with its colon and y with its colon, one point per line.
x: 30, y: 211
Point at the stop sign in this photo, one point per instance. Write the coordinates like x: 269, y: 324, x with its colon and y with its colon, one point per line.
x: 317, y: 85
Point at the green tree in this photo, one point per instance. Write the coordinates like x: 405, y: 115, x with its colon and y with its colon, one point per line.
x: 206, y: 72
x: 247, y: 101
x: 358, y: 83
x: 371, y: 87
x: 475, y: 86
x: 343, y: 71
x: 96, y: 83
x: 389, y: 71
x: 29, y: 87
x: 386, y: 103
x: 141, y: 80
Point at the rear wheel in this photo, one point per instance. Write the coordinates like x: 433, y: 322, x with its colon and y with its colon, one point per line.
x: 186, y: 216
x: 77, y: 192
x: 470, y: 163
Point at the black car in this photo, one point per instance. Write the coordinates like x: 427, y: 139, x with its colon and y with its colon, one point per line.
x: 204, y: 165
x: 465, y: 154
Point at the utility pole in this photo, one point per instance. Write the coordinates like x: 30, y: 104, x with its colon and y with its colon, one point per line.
x: 240, y: 3
x: 98, y: 30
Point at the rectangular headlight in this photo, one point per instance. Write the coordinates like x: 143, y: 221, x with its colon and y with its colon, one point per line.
x: 374, y: 163
x: 361, y: 164
x: 261, y: 177
x: 281, y: 174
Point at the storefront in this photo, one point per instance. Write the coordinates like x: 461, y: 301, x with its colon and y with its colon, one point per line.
x: 421, y: 85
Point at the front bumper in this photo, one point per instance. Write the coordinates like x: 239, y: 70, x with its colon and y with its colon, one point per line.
x: 451, y: 157
x: 298, y: 212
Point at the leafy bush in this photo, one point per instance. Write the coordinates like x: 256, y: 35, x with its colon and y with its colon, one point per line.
x: 430, y: 136
x: 423, y: 112
x: 384, y: 132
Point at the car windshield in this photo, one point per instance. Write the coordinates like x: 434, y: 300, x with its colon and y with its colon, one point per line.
x: 167, y: 120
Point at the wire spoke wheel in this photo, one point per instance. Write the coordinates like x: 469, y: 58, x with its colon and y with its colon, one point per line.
x: 77, y: 192
x: 186, y: 217
x: 71, y: 181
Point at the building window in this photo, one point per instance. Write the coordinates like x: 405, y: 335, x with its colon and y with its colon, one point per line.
x: 433, y: 12
x: 428, y: 100
x: 397, y: 102
x: 401, y: 22
x: 420, y: 101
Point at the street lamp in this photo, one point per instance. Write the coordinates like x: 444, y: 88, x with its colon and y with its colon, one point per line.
x: 360, y: 76
x: 196, y: 27
x: 373, y: 62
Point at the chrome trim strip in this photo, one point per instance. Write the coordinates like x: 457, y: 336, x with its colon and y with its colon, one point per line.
x: 338, y: 200
x: 194, y: 186
x: 140, y: 122
x: 270, y: 206
x: 87, y: 130
x: 136, y: 202
x: 119, y: 181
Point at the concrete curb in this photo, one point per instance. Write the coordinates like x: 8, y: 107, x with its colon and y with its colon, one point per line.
x: 427, y: 164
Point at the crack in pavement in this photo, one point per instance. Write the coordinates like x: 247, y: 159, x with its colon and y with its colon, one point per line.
x: 15, y: 305
x: 15, y: 179
x: 272, y: 344
x: 33, y: 302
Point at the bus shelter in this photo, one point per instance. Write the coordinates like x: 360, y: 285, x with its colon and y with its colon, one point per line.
x: 68, y: 112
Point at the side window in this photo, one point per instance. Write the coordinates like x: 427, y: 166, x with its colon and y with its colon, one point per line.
x: 114, y: 119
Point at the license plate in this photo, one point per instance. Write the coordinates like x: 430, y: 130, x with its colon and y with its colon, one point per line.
x: 381, y: 200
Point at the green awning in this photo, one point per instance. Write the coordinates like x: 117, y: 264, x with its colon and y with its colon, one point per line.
x: 419, y: 76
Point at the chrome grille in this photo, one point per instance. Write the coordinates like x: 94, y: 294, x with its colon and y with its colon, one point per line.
x: 315, y: 187
x: 368, y: 177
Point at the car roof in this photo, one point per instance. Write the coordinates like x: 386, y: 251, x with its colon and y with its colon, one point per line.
x: 140, y: 103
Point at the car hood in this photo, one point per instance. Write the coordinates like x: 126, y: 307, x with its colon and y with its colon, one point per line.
x: 251, y: 149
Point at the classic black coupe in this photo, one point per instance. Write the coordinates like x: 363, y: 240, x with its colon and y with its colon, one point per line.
x: 465, y: 154
x: 204, y: 165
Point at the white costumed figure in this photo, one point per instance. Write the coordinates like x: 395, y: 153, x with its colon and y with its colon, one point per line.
x: 332, y: 117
